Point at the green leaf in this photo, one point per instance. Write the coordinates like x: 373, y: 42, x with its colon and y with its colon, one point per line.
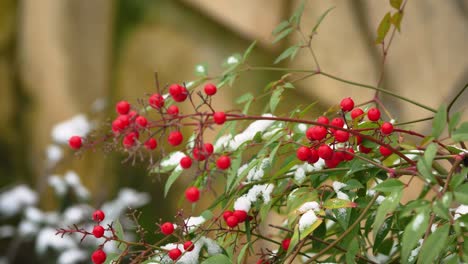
x: 458, y: 178
x: 352, y: 250
x: 383, y: 28
x: 217, y: 259
x: 424, y: 164
x: 440, y: 121
x: 207, y: 214
x: 413, y: 232
x: 454, y: 120
x: 386, y: 207
x: 296, y: 17
x: 396, y: 4
x: 201, y: 70
x: 382, y: 233
x: 461, y: 193
x: 336, y: 203
x: 119, y: 233
x: 297, y: 236
x: 289, y: 52
x: 111, y: 257
x: 284, y: 24
x: 172, y: 178
x: 299, y: 197
x: 275, y: 98
x: 461, y: 134
x: 320, y: 19
x: 389, y: 185
x: 441, y: 206
x: 396, y: 20
x: 240, y: 257
x: 248, y: 51
x: 244, y: 98
x: 282, y: 35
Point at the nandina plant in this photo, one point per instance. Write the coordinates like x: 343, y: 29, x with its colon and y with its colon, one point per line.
x: 296, y: 188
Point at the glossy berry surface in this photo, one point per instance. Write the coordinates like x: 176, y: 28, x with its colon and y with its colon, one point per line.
x: 178, y: 92
x: 192, y: 194
x: 151, y: 144
x: 175, y: 253
x: 385, y: 151
x: 167, y: 228
x: 223, y: 162
x: 98, y: 256
x: 173, y: 110
x: 175, y: 138
x: 314, y: 157
x: 98, y: 231
x: 98, y: 215
x: 373, y: 114
x: 227, y: 214
x: 316, y: 133
x: 156, y: 101
x: 285, y: 244
x: 240, y: 215
x: 323, y: 120
x: 364, y: 150
x: 357, y: 113
x: 347, y: 104
x: 303, y: 153
x: 141, y: 121
x: 122, y: 107
x: 219, y: 118
x: 341, y: 136
x: 75, y: 142
x: 338, y: 122
x: 186, y: 162
x: 210, y: 89
x: 386, y: 128
x: 188, y: 245
x: 232, y: 221
x: 325, y: 152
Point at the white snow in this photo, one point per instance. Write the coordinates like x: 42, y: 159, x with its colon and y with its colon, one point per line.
x: 418, y: 221
x: 54, y: 154
x: 27, y: 228
x: 193, y: 222
x: 47, y: 239
x: 222, y: 143
x: 380, y: 199
x: 242, y: 203
x: 173, y: 159
x: 76, y: 214
x: 309, y: 206
x: 75, y: 126
x: 337, y: 186
x: 232, y: 60
x: 245, y: 201
x: 255, y: 173
x: 415, y: 252
x: 73, y: 255
x: 191, y: 257
x: 6, y: 231
x: 58, y: 184
x: 33, y: 214
x: 126, y: 198
x: 249, y: 133
x: 306, y: 220
x: 14, y: 200
x: 342, y: 196
x: 302, y: 127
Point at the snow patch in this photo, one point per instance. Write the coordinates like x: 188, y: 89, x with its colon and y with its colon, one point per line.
x: 306, y: 220
x: 75, y: 126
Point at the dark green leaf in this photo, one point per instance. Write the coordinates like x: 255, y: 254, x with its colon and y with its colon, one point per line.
x: 289, y: 52
x: 396, y: 4
x: 382, y: 233
x: 440, y: 121
x: 283, y: 34
x: 386, y: 207
x: 413, y: 232
x: 383, y: 28
x: 458, y: 178
x: 320, y: 19
x: 217, y: 259
x: 389, y: 185
x: 275, y: 98
x: 434, y: 245
x: 352, y: 250
x: 461, y: 193
x: 280, y: 27
x: 172, y: 178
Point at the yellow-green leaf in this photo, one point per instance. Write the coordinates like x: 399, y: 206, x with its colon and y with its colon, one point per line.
x: 383, y: 28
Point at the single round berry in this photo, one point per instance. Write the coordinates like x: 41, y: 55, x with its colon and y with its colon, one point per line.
x: 334, y: 161
x: 219, y: 118
x: 98, y: 231
x: 357, y: 113
x: 316, y: 133
x: 192, y: 194
x: 341, y: 136
x: 125, y: 119
x: 210, y: 89
x: 208, y: 148
x: 98, y: 215
x: 337, y: 121
x: 188, y: 245
x: 173, y: 110
x: 156, y: 101
x: 347, y: 104
x: 117, y: 125
x: 167, y: 228
x: 385, y: 151
x: 364, y: 149
x: 314, y: 157
x: 151, y: 144
x: 129, y: 140
x: 175, y: 253
x: 75, y: 142
x: 132, y: 115
x: 122, y: 107
x: 175, y: 138
x: 373, y: 114
x: 386, y: 128
x: 325, y: 152
x: 232, y: 221
x: 98, y: 256
x: 303, y: 153
x: 178, y: 92
x: 323, y: 120
x: 349, y: 156
x: 223, y: 162
x: 186, y: 162
x: 227, y: 214
x: 240, y: 215
x: 141, y: 121
x: 285, y: 244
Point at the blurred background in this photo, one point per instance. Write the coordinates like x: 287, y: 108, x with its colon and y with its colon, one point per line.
x: 61, y: 58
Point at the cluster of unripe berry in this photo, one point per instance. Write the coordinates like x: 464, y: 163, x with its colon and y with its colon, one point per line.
x: 319, y: 135
x: 167, y: 229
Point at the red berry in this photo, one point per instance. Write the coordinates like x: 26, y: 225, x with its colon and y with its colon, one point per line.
x: 175, y: 138
x: 373, y: 114
x: 338, y: 122
x: 98, y: 256
x: 210, y: 89
x: 232, y: 221
x: 303, y: 153
x: 316, y: 133
x: 132, y: 114
x: 202, y: 154
x: 348, y: 156
x: 117, y: 125
x: 192, y: 194
x: 219, y: 118
x: 223, y: 162
x: 151, y: 144
x: 98, y: 231
x: 347, y: 104
x: 357, y: 113
x: 208, y: 148
x: 122, y: 107
x: 129, y: 139
x: 188, y: 245
x: 167, y: 228
x: 227, y: 214
x: 341, y: 136
x: 335, y: 160
x: 156, y: 101
x: 285, y: 243
x: 385, y: 151
x: 98, y: 215
x: 387, y: 128
x: 186, y: 162
x: 325, y: 152
x: 358, y: 139
x: 364, y: 149
x: 178, y: 92
x: 323, y: 120
x: 75, y: 142
x: 240, y: 215
x: 173, y: 110
x: 175, y: 253
x: 125, y: 119
x: 314, y: 157
x: 141, y: 121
